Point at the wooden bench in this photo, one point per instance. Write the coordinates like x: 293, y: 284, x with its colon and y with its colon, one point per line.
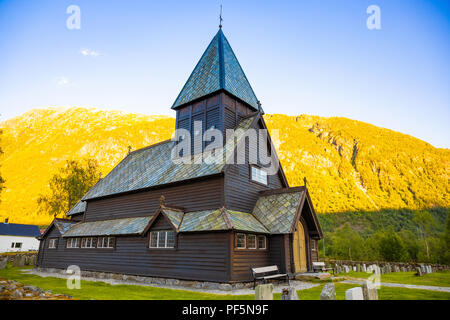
x: 320, y: 266
x: 267, y: 273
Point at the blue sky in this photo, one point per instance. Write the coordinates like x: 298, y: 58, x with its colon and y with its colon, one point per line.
x: 301, y: 57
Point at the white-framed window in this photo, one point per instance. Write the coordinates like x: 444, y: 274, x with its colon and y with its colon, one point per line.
x: 73, y: 242
x: 88, y: 242
x: 105, y: 242
x: 52, y: 243
x: 262, y: 242
x: 162, y: 239
x: 258, y: 175
x: 251, y: 241
x: 240, y: 241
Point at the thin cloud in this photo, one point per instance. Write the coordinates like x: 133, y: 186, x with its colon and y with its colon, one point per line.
x: 63, y: 81
x: 88, y: 52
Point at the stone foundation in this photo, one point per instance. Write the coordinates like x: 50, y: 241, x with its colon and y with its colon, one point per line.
x: 155, y: 280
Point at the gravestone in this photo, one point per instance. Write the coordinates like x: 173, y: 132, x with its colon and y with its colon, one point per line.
x: 358, y: 268
x: 418, y: 272
x: 3, y: 263
x: 403, y: 269
x: 369, y: 291
x: 363, y: 268
x: 328, y: 292
x: 289, y: 294
x: 354, y: 268
x: 264, y: 292
x: 347, y: 269
x: 354, y: 294
x: 19, y: 260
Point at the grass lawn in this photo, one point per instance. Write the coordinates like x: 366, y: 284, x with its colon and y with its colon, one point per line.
x: 104, y: 291
x: 439, y: 279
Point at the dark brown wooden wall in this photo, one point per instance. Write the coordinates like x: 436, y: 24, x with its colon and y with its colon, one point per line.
x: 241, y: 193
x: 193, y: 196
x: 199, y: 256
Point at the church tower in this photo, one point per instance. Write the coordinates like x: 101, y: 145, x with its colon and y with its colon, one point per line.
x: 217, y: 92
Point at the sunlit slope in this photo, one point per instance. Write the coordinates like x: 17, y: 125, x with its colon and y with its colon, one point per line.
x: 350, y: 165
x: 39, y: 142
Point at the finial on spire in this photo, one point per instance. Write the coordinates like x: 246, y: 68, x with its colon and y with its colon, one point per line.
x: 129, y: 149
x: 220, y: 17
x: 259, y: 107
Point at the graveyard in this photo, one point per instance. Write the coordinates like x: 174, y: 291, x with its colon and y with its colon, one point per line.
x: 332, y: 288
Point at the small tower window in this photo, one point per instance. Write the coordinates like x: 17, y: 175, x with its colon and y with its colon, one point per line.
x: 259, y: 175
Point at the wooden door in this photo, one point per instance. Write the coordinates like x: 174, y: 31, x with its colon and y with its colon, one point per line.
x: 299, y: 248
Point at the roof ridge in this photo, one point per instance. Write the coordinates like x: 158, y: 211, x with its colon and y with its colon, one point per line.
x: 226, y: 218
x: 150, y: 146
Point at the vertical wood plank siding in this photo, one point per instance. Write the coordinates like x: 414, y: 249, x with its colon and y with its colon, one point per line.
x: 199, y: 195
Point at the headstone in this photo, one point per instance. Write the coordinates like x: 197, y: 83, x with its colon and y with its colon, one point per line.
x: 289, y: 294
x: 264, y: 292
x: 403, y: 269
x: 354, y: 268
x: 358, y: 268
x: 3, y: 263
x: 430, y: 270
x: 19, y: 260
x: 363, y: 268
x: 347, y: 269
x: 369, y: 291
x: 418, y: 272
x: 328, y: 292
x: 354, y: 294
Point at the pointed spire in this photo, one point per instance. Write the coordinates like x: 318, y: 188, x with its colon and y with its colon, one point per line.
x: 217, y: 69
x: 220, y: 18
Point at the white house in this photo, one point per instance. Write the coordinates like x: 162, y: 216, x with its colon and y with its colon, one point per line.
x: 18, y: 237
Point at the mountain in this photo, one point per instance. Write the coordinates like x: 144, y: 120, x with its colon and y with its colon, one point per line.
x: 349, y: 165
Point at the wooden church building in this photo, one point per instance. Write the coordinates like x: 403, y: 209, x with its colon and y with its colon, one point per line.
x: 207, y: 222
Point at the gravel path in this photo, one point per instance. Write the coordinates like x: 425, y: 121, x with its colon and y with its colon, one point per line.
x: 403, y: 285
x: 298, y: 285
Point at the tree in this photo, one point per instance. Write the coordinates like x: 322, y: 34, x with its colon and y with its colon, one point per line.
x: 347, y: 243
x: 391, y: 246
x: 68, y: 186
x: 425, y: 223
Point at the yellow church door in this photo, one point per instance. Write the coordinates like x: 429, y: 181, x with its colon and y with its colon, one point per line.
x: 299, y: 248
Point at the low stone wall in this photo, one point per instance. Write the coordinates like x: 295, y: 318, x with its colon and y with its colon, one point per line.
x: 384, y: 267
x: 19, y: 259
x: 155, y: 280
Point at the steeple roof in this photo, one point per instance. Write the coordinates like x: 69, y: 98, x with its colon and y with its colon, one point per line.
x: 217, y: 69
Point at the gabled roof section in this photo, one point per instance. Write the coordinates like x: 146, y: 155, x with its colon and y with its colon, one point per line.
x: 79, y: 207
x: 221, y: 219
x: 126, y: 226
x: 217, y: 69
x: 277, y: 211
x: 153, y: 166
x: 61, y: 225
x: 15, y: 229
